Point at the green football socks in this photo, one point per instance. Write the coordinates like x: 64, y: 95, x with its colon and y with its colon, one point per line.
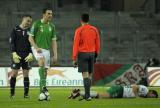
x: 42, y: 82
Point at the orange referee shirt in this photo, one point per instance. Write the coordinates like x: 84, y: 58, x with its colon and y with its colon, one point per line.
x: 86, y: 39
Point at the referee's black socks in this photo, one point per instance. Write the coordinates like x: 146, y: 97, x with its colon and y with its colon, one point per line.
x: 12, y: 85
x: 87, y: 85
x: 26, y: 85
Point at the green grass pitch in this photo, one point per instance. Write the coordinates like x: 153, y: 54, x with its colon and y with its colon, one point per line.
x: 59, y: 100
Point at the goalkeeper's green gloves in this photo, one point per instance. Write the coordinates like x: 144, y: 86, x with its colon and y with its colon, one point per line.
x: 29, y: 58
x: 15, y: 57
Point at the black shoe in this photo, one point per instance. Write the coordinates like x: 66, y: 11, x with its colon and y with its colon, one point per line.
x: 44, y: 89
x: 75, y: 90
x: 26, y: 96
x: 88, y: 99
x: 75, y: 93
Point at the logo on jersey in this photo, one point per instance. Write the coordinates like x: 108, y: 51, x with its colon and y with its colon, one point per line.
x: 14, y: 65
x: 18, y: 30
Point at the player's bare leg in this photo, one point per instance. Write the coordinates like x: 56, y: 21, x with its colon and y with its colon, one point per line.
x: 103, y: 95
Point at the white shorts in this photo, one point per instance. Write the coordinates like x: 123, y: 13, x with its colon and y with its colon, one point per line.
x: 44, y: 54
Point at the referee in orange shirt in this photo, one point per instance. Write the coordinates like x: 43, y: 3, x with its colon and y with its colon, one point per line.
x: 86, y: 48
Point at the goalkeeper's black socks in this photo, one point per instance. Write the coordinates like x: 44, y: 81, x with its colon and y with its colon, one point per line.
x: 87, y: 85
x: 12, y: 85
x: 26, y: 86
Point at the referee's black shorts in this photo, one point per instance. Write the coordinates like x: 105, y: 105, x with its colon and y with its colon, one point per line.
x: 25, y: 65
x: 86, y: 62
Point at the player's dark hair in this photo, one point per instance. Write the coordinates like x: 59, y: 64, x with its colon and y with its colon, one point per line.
x: 26, y: 15
x: 85, y: 17
x: 154, y: 92
x: 45, y: 9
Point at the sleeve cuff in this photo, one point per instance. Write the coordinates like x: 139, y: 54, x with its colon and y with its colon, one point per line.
x: 30, y: 34
x: 54, y: 38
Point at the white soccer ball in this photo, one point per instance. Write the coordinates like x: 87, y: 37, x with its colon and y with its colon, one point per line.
x: 44, y: 96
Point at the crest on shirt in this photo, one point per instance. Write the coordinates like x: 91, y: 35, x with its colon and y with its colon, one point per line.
x: 14, y: 65
x: 18, y: 30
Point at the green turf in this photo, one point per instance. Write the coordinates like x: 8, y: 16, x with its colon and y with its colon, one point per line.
x: 59, y: 100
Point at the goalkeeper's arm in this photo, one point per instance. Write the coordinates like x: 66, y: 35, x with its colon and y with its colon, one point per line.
x: 16, y: 58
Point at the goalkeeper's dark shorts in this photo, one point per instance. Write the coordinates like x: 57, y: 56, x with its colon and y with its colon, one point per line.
x: 86, y: 62
x: 23, y: 64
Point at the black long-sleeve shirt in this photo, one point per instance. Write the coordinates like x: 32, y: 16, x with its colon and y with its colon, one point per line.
x: 19, y: 40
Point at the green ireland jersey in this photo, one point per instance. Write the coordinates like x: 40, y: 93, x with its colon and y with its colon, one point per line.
x: 43, y: 34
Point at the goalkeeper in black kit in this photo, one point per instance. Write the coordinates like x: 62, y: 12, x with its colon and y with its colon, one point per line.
x: 21, y: 54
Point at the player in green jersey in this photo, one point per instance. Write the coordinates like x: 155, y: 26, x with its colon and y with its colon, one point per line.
x: 42, y: 37
x: 118, y: 91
